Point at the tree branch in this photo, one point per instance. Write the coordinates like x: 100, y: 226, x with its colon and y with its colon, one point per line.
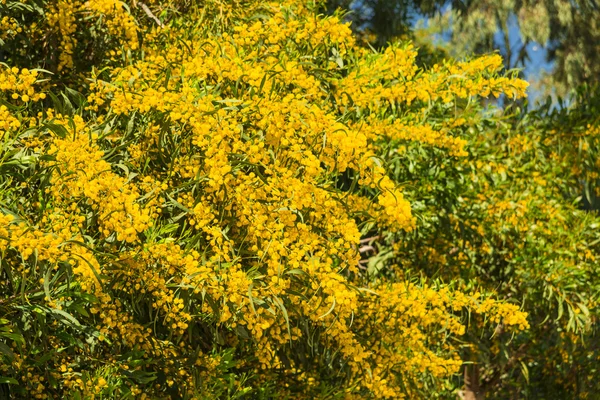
x: 150, y: 15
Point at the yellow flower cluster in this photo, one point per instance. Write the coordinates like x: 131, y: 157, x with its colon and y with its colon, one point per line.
x: 9, y: 27
x: 508, y: 314
x: 201, y: 203
x: 406, y: 85
x: 4, y: 221
x: 64, y: 17
x: 397, y: 130
x: 399, y: 319
x: 7, y: 121
x: 118, y: 21
x: 396, y: 210
x: 81, y: 173
x: 20, y: 84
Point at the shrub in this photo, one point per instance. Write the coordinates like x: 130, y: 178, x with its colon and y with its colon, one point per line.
x: 184, y: 207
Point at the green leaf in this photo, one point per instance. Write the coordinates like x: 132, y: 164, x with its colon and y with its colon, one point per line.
x: 584, y: 309
x: 66, y: 316
x: 9, y: 381
x: 4, y: 349
x: 279, y: 303
x: 58, y: 130
x: 329, y: 311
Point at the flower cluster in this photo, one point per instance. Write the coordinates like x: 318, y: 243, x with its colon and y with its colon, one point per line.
x: 20, y: 84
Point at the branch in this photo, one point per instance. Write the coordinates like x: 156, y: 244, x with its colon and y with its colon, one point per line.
x: 367, y: 240
x: 495, y: 378
x: 150, y: 15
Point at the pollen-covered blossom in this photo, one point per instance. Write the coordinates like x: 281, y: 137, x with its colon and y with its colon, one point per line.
x: 62, y: 17
x: 65, y: 17
x: 9, y: 27
x: 19, y: 84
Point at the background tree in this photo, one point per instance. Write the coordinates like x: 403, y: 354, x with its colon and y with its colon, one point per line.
x: 561, y: 34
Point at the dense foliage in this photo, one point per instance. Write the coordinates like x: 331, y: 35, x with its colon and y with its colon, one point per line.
x: 236, y: 200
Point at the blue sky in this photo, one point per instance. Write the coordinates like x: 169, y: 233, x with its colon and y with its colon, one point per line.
x: 538, y: 56
x: 533, y: 68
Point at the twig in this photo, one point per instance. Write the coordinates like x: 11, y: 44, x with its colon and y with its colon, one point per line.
x: 361, y: 264
x: 7, y: 300
x: 364, y: 249
x: 149, y: 14
x: 367, y: 240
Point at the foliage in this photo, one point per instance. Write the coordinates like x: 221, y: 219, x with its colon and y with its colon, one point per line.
x: 514, y: 221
